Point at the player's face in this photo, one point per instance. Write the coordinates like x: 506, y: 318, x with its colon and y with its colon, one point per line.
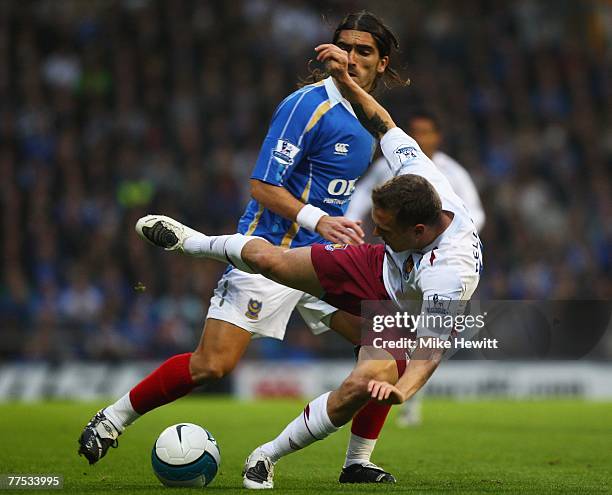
x: 365, y: 62
x: 395, y: 236
x: 425, y: 133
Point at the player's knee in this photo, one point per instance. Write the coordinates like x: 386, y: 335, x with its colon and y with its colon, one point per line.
x: 386, y: 371
x: 205, y: 369
x: 266, y: 262
x: 355, y: 388
x: 381, y: 370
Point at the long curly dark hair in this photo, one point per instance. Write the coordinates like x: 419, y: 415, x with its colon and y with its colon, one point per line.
x: 385, y: 41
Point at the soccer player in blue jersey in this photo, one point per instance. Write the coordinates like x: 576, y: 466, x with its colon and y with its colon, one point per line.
x: 313, y: 154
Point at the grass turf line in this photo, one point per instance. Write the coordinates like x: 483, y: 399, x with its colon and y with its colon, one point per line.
x: 462, y: 447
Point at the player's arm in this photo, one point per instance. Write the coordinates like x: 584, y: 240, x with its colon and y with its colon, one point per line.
x: 288, y: 141
x: 375, y: 118
x: 442, y: 292
x: 369, y: 112
x: 421, y: 366
x: 279, y: 200
x: 394, y: 142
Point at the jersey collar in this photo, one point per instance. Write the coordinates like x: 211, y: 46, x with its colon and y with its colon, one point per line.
x: 336, y: 97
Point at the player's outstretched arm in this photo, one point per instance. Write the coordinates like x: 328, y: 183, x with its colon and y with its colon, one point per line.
x: 369, y: 112
x: 420, y: 367
x: 279, y: 200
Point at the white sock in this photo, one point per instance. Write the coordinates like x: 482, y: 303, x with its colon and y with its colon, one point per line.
x: 121, y: 413
x: 359, y: 450
x: 208, y: 246
x: 219, y: 247
x: 311, y: 425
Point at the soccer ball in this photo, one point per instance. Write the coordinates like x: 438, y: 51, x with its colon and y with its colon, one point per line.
x: 185, y: 455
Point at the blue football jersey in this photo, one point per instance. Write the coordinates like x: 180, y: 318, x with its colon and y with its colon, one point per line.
x: 317, y: 150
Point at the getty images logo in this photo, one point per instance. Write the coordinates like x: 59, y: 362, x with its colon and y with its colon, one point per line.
x: 341, y: 149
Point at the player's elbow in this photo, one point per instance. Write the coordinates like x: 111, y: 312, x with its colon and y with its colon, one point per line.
x: 258, y: 190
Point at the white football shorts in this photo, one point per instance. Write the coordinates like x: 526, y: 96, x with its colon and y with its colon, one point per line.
x: 263, y: 307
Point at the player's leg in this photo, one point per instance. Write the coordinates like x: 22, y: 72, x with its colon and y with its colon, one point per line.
x: 320, y: 418
x: 366, y: 425
x: 221, y: 346
x: 351, y: 275
x: 352, y: 395
x: 290, y: 267
x: 347, y: 325
x: 368, y: 422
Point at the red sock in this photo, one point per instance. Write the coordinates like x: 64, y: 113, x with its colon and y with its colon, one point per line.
x: 167, y: 383
x: 368, y: 422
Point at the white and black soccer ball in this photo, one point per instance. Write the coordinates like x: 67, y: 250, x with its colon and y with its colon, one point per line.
x: 185, y: 455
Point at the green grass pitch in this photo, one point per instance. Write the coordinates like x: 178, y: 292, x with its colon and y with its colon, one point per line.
x: 462, y: 447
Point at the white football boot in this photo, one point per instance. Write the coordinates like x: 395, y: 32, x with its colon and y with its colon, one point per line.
x: 98, y: 436
x: 258, y: 471
x: 164, y: 232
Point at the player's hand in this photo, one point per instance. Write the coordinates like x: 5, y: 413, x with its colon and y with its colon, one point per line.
x: 335, y: 59
x: 385, y: 392
x: 340, y: 230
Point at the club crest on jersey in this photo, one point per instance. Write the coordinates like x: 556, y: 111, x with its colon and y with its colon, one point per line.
x: 406, y: 154
x: 438, y: 304
x: 408, y: 267
x: 334, y: 247
x: 253, y: 309
x: 341, y: 149
x: 285, y: 152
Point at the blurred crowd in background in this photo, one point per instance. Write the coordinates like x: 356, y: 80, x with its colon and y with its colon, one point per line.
x: 113, y: 109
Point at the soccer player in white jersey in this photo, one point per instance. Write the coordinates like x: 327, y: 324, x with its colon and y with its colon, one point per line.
x: 425, y: 129
x: 432, y: 252
x: 313, y: 154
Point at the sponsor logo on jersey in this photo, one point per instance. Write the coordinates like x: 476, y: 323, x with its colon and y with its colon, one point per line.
x: 341, y: 187
x: 408, y: 267
x: 253, y: 309
x: 341, y: 149
x: 284, y: 152
x: 334, y: 247
x: 406, y: 154
x: 334, y: 201
x: 438, y: 304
